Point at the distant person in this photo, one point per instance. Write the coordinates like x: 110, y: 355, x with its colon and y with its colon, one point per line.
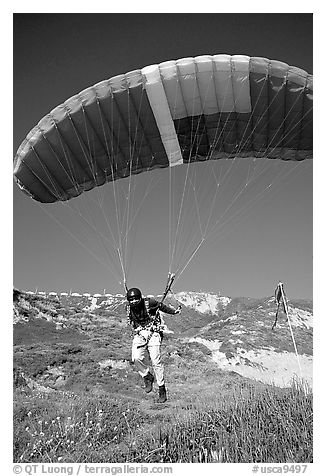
x: 144, y: 317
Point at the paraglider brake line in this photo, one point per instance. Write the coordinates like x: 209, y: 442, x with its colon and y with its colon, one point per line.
x: 171, y: 277
x: 125, y: 285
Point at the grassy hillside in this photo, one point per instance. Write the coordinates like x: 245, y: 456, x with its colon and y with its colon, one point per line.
x: 77, y: 397
x: 231, y: 422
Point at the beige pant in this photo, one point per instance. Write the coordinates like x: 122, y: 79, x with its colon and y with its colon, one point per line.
x: 152, y: 348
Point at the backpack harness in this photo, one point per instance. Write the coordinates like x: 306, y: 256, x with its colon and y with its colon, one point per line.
x: 151, y: 323
x: 154, y: 324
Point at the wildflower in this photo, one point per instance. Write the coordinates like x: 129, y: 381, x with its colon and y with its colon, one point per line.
x: 29, y: 413
x: 60, y: 458
x: 58, y: 418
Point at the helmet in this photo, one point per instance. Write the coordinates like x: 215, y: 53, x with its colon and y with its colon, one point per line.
x: 134, y: 293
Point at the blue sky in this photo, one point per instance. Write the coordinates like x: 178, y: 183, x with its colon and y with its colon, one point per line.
x: 56, y: 56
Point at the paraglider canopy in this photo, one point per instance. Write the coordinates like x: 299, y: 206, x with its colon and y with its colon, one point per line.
x: 176, y: 112
x: 196, y: 109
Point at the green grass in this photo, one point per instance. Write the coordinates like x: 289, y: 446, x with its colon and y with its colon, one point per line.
x: 82, y: 411
x: 70, y: 428
x: 246, y: 424
x: 270, y: 426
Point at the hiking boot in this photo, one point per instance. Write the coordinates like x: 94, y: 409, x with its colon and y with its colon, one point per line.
x: 162, y: 394
x: 148, y: 380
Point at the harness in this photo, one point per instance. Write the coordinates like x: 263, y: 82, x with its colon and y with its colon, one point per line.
x: 151, y: 323
x: 154, y: 323
x: 148, y: 321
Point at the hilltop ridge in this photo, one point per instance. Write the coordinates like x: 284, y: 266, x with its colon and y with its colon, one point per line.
x: 233, y: 334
